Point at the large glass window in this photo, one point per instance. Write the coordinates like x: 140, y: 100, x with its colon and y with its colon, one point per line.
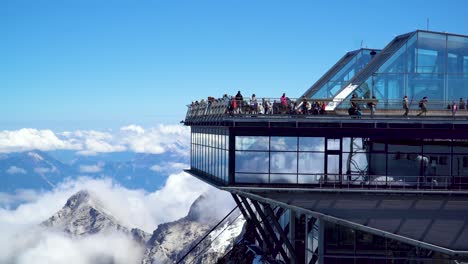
x: 311, y: 163
x: 284, y: 159
x: 256, y: 162
x: 210, y: 153
x: 431, y: 52
x: 283, y: 162
x: 350, y: 161
x: 311, y: 144
x: 252, y: 143
x: 344, y: 73
x: 284, y: 143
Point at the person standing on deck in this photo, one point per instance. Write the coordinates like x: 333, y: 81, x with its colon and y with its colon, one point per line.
x: 405, y: 106
x: 423, y: 106
x: 240, y: 101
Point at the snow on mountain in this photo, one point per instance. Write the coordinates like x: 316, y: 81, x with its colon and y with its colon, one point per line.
x: 36, y: 156
x: 224, y: 236
x: 171, y: 241
x: 31, y: 170
x: 84, y: 215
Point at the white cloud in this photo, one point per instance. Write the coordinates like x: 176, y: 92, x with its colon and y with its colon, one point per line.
x: 94, y: 142
x: 29, y: 138
x: 39, y: 246
x: 155, y: 140
x: 90, y: 168
x: 158, y: 139
x: 43, y: 170
x: 133, y: 208
x: 15, y: 170
x: 133, y: 128
x: 20, y: 242
x: 169, y: 167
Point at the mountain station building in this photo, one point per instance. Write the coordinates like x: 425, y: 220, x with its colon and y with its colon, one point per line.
x: 375, y: 187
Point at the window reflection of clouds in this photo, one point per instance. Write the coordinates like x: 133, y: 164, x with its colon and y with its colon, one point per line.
x: 305, y: 179
x: 210, y: 155
x: 311, y: 162
x: 251, y: 178
x: 357, y: 165
x: 252, y: 143
x: 333, y: 144
x: 283, y: 178
x: 251, y: 161
x: 311, y: 144
x: 284, y: 143
x: 357, y: 144
x: 283, y: 162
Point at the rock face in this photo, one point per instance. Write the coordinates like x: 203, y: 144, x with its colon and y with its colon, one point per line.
x: 84, y: 215
x: 171, y: 241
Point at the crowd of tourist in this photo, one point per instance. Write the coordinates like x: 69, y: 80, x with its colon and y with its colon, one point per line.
x: 238, y: 105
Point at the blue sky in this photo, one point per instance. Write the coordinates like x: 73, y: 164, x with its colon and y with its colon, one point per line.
x: 102, y: 64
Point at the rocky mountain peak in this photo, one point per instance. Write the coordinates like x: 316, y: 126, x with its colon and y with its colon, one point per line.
x: 79, y: 198
x: 83, y: 214
x: 196, y: 208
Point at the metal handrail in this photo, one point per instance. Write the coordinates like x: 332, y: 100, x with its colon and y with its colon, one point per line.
x: 221, y: 108
x: 353, y: 180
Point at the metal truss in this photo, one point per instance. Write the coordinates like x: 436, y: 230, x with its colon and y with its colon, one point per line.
x: 269, y: 233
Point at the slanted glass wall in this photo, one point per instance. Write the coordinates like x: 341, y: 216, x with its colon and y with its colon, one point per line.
x: 210, y: 152
x: 346, y: 73
x: 429, y: 64
x: 352, y: 161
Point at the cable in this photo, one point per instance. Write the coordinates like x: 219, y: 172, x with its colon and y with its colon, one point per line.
x: 222, y: 231
x: 206, y: 235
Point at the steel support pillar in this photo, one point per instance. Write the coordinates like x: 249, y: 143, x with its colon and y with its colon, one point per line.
x: 257, y: 224
x: 284, y: 238
x: 281, y: 232
x: 248, y: 218
x: 321, y: 252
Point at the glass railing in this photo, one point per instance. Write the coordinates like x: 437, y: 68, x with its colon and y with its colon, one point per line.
x: 319, y: 107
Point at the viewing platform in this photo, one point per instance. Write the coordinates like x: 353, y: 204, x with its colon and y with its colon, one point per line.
x: 287, y: 147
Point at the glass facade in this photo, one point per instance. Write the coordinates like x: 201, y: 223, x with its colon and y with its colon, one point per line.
x: 428, y: 64
x: 210, y: 152
x: 334, y: 84
x: 352, y: 161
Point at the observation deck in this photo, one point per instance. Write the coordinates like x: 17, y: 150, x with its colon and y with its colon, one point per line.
x: 331, y: 149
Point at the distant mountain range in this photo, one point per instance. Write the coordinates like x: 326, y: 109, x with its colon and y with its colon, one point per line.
x: 43, y: 170
x: 83, y: 215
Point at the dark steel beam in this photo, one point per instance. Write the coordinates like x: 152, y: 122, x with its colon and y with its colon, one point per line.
x: 280, y: 231
x: 257, y: 224
x: 273, y: 235
x: 232, y: 156
x: 247, y: 217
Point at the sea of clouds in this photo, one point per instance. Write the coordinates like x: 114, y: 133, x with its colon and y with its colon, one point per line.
x: 22, y: 241
x: 154, y: 140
